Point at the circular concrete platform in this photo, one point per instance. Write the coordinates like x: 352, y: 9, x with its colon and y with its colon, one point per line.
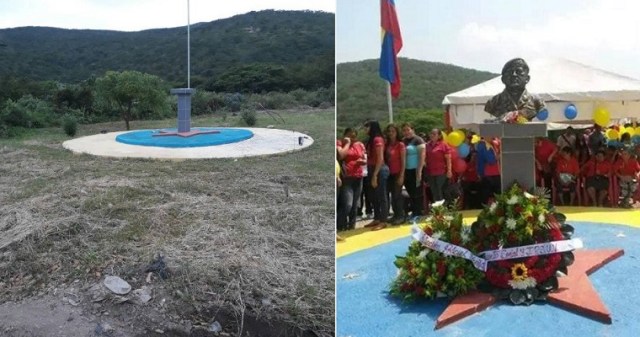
x: 263, y: 142
x: 198, y: 137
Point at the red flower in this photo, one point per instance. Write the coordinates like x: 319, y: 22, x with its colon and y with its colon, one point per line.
x: 441, y: 268
x: 419, y: 291
x: 428, y: 231
x: 518, y: 209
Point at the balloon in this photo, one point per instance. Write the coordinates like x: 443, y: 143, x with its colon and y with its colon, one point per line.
x: 444, y: 136
x: 612, y: 134
x: 455, y: 138
x: 571, y: 111
x: 635, y: 139
x: 637, y: 131
x: 459, y: 166
x: 622, y: 130
x: 601, y: 116
x: 543, y: 114
x: 475, y: 139
x: 463, y: 150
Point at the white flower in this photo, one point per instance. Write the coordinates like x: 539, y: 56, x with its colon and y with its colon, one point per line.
x: 398, y: 272
x: 438, y: 203
x: 541, y: 218
x: 529, y: 196
x: 492, y: 207
x: 437, y: 235
x: 511, y: 224
x: 423, y: 253
x: 448, y: 217
x: 464, y: 234
x: 513, y: 200
x: 528, y: 282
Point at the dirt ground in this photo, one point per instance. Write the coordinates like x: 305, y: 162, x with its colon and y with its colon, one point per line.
x: 225, y: 247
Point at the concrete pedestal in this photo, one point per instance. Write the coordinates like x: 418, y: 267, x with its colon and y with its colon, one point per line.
x: 517, y: 159
x: 184, y: 108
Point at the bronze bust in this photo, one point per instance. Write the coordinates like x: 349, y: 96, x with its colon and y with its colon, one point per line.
x: 514, y: 101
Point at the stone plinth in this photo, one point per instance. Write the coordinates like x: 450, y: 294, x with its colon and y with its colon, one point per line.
x: 517, y: 158
x: 184, y: 108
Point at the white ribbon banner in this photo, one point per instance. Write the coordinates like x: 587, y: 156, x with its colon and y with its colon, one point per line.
x: 447, y: 248
x: 494, y: 255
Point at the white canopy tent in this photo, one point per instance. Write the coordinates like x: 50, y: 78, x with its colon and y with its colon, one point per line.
x: 558, y: 82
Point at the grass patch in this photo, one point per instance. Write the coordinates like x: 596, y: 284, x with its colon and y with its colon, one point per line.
x: 217, y: 222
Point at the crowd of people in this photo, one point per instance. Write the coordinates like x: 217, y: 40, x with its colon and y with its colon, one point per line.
x: 398, y: 170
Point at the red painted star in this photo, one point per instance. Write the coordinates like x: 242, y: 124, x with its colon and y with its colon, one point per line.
x: 192, y: 132
x: 575, y: 292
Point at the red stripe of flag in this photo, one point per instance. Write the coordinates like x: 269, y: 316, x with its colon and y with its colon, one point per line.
x: 391, y: 45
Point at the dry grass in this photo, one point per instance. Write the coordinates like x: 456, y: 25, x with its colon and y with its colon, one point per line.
x: 233, y: 239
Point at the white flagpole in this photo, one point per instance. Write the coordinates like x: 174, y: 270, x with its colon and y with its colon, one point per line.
x: 188, y: 46
x: 389, y: 101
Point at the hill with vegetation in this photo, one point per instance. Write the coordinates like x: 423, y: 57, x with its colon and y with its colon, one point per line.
x: 294, y: 48
x: 361, y: 93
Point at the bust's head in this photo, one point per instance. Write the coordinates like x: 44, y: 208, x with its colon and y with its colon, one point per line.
x: 515, y: 74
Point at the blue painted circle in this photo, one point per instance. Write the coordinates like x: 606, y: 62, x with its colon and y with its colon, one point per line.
x: 365, y: 309
x: 146, y: 138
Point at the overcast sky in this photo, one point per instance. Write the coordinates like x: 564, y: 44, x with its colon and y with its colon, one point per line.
x: 485, y: 34
x: 134, y: 15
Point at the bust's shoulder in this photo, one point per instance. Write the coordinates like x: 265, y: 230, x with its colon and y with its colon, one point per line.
x: 495, y: 101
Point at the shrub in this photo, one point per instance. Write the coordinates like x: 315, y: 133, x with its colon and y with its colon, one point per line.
x: 249, y: 117
x: 70, y: 125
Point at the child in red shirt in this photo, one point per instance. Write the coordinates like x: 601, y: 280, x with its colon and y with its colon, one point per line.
x: 627, y: 169
x: 597, y: 172
x: 567, y: 171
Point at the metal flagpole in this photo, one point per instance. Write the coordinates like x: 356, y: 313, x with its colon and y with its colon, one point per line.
x: 188, y: 46
x: 389, y: 102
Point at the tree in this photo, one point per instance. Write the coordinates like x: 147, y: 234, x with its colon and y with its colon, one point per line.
x: 132, y: 93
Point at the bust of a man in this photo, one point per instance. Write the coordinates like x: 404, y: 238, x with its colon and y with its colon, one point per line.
x: 514, y: 101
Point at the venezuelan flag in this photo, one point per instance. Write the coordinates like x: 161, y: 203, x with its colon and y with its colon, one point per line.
x: 391, y: 45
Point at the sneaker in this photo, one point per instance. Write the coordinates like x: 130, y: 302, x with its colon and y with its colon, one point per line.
x: 372, y: 224
x: 379, y: 226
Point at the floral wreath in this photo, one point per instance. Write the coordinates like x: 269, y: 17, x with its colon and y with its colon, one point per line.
x: 517, y: 218
x: 424, y: 273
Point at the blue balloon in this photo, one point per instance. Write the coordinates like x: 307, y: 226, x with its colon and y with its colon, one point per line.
x: 571, y: 111
x: 635, y: 139
x: 463, y: 150
x: 543, y: 114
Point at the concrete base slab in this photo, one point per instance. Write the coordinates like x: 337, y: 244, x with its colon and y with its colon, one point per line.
x: 264, y: 142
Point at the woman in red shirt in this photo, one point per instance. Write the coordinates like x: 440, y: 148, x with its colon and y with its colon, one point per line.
x: 597, y: 172
x: 352, y: 154
x: 379, y: 173
x: 438, y: 164
x: 567, y: 171
x: 627, y: 169
x: 395, y: 155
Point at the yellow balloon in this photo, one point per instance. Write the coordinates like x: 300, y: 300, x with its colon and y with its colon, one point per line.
x: 444, y: 136
x: 475, y: 139
x: 637, y: 131
x: 622, y: 130
x: 455, y: 138
x: 601, y: 116
x: 338, y: 169
x: 612, y: 134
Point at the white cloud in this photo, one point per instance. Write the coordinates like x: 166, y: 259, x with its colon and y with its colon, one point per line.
x: 136, y: 15
x: 599, y: 35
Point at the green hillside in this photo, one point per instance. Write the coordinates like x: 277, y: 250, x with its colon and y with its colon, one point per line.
x: 361, y: 93
x: 294, y: 47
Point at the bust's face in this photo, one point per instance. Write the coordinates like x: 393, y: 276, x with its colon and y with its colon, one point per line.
x: 516, y: 76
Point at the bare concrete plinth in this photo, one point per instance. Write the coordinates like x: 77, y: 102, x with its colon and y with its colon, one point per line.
x: 517, y: 158
x: 184, y: 108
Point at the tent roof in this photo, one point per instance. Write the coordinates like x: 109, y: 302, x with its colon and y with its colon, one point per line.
x: 558, y: 80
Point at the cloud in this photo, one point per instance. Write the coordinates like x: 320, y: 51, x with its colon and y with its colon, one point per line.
x: 136, y: 15
x: 604, y: 29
